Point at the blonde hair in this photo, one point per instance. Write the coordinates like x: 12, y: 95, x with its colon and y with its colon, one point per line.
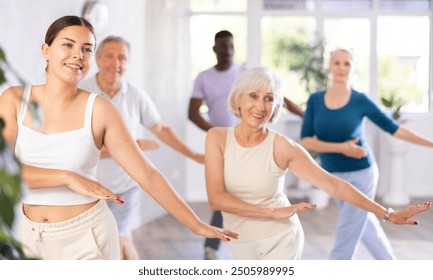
x: 347, y: 51
x: 252, y: 80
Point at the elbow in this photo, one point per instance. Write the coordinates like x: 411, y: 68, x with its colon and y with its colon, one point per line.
x: 214, y: 204
x: 192, y: 116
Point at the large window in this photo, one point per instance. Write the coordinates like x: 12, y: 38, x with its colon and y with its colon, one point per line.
x: 390, y: 40
x: 209, y: 17
x: 282, y: 38
x: 352, y: 34
x: 203, y: 30
x: 403, y: 60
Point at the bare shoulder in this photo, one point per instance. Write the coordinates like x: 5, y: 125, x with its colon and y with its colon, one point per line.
x: 286, y: 150
x: 10, y: 99
x: 104, y: 112
x: 284, y: 143
x: 216, y: 137
x: 102, y: 105
x: 217, y: 133
x: 13, y: 93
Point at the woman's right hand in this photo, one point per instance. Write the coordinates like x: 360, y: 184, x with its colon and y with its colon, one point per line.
x: 287, y: 212
x: 91, y: 188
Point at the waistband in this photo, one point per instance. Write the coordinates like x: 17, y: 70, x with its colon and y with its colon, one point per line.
x: 51, y: 230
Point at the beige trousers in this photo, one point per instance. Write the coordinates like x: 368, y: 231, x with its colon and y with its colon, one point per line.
x: 286, y: 245
x: 90, y: 235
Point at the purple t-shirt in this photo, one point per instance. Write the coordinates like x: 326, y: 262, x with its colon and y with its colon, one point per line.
x: 213, y: 87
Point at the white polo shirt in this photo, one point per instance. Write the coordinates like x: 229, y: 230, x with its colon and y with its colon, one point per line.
x: 137, y: 110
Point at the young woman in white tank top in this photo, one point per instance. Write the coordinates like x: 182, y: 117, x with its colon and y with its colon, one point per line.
x: 245, y: 167
x: 64, y: 212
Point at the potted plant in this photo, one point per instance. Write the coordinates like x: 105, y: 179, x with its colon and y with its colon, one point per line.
x: 394, y: 104
x: 305, y: 58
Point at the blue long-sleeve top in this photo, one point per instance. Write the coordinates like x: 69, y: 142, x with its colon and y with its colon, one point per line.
x: 343, y: 124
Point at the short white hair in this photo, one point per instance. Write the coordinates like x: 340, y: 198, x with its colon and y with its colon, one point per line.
x: 253, y: 80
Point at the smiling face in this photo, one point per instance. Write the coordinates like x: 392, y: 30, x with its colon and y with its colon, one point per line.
x: 340, y: 66
x: 69, y: 54
x: 112, y: 60
x: 256, y: 96
x: 257, y: 107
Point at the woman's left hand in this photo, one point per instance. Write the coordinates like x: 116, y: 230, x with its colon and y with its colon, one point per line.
x: 403, y: 217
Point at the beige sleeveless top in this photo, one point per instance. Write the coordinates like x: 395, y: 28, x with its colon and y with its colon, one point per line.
x: 252, y: 175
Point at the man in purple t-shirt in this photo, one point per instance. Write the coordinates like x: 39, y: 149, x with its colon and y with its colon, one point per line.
x: 212, y: 87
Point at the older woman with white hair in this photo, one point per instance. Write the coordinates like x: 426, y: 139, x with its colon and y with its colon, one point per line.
x: 245, y: 171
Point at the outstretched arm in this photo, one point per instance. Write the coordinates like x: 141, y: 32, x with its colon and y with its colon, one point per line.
x: 167, y: 135
x: 303, y: 166
x: 144, y: 144
x: 112, y: 132
x: 412, y: 137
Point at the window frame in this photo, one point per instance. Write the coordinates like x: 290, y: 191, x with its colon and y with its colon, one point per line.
x: 255, y: 13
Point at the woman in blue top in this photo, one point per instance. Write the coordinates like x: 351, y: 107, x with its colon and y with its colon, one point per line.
x: 333, y: 127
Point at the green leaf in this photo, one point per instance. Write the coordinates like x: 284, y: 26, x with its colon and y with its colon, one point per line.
x: 387, y: 103
x: 2, y: 77
x: 7, y: 209
x: 2, y: 141
x: 2, y: 55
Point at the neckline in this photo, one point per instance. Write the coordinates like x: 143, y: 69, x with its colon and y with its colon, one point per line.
x: 341, y: 107
x: 52, y: 134
x: 25, y: 108
x: 250, y: 147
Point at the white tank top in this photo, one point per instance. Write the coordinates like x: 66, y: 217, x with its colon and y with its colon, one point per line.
x: 73, y: 150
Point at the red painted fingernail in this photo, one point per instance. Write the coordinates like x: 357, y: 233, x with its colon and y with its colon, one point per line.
x: 228, y: 239
x: 415, y: 223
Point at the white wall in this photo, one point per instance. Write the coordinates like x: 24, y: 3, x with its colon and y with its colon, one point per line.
x: 418, y: 162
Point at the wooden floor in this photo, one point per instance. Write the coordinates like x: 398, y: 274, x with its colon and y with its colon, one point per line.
x: 166, y: 239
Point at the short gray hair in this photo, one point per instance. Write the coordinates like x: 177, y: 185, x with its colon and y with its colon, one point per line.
x: 255, y: 79
x: 112, y: 39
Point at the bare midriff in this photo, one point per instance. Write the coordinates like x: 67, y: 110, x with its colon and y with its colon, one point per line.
x: 54, y: 214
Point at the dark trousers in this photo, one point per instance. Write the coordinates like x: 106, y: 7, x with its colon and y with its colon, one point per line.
x: 217, y: 221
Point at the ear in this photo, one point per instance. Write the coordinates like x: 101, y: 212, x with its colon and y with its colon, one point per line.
x: 213, y: 48
x: 97, y: 59
x: 45, y: 51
